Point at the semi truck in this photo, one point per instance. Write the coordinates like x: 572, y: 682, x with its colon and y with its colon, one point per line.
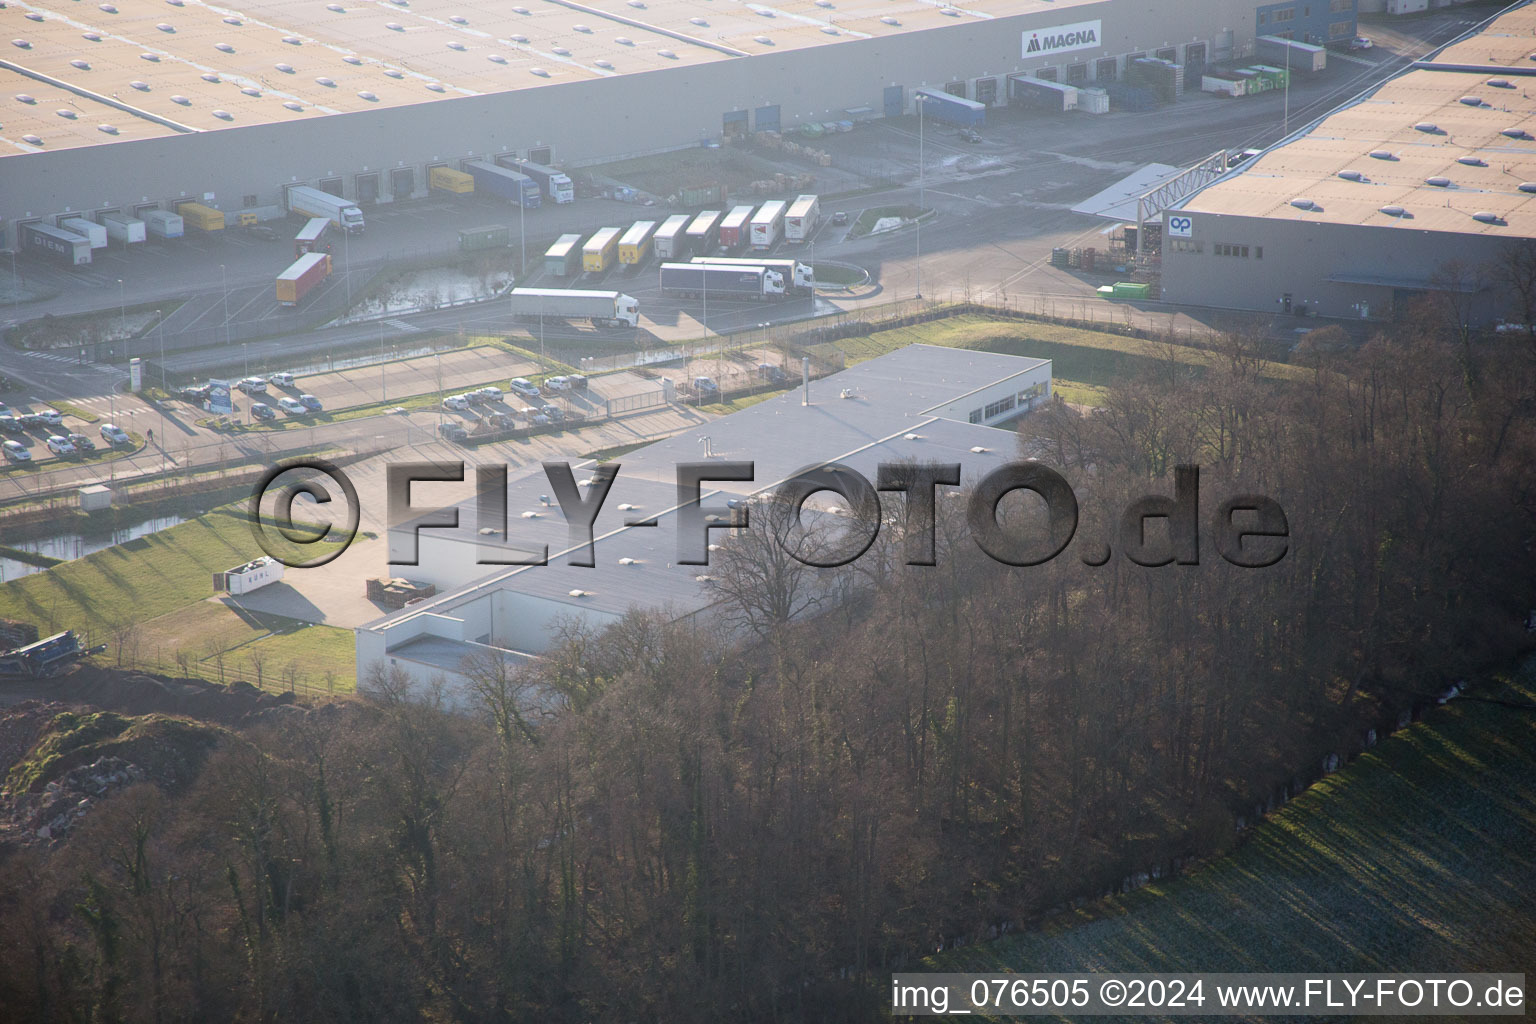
x: 301, y: 278
x: 601, y: 250
x: 635, y: 246
x: 315, y: 236
x: 564, y: 257
x: 671, y: 242
x: 556, y: 186
x: 768, y: 224
x: 45, y: 657
x: 123, y: 228
x: 733, y: 227
x: 200, y: 217
x: 311, y: 202
x: 89, y: 228
x: 498, y: 181
x: 446, y: 179
x: 704, y: 231
x: 691, y: 280
x: 602, y: 309
x: 801, y: 220
x: 798, y: 277
x: 56, y: 243
x: 161, y: 224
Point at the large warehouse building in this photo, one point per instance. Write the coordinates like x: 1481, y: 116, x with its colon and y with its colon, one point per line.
x: 139, y: 104
x: 1421, y: 185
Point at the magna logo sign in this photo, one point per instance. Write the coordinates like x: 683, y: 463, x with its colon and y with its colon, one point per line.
x: 1084, y: 35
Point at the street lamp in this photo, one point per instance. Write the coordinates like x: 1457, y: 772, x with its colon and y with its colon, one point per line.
x: 920, y: 99
x: 122, y: 312
x: 224, y: 277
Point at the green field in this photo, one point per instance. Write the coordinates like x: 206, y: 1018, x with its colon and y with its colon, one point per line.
x: 150, y: 596
x: 1419, y: 856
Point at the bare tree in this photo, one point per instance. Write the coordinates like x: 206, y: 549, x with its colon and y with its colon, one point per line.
x: 1515, y: 269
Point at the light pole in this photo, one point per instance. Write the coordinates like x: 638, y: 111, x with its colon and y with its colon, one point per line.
x: 383, y: 388
x: 122, y: 313
x: 224, y: 277
x: 920, y: 99
x: 522, y: 241
x: 346, y: 274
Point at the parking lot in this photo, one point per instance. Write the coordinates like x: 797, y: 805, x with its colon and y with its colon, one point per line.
x: 38, y: 433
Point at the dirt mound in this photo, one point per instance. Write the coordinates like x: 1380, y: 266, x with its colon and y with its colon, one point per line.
x: 143, y: 693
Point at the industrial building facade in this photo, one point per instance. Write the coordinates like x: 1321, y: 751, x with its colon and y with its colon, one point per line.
x: 141, y: 107
x: 1424, y: 185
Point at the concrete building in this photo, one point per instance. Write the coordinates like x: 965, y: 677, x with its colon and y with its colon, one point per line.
x: 921, y: 403
x: 144, y: 105
x: 1420, y: 185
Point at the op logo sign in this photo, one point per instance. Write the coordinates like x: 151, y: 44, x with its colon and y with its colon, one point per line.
x: 1181, y: 226
x: 1084, y: 35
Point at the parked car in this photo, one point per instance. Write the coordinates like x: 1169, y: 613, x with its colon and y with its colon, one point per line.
x: 59, y: 445
x: 197, y: 394
x: 490, y: 394
x: 1360, y: 43
x: 552, y: 413
x: 16, y: 451
x: 51, y: 417
x: 840, y: 217
x: 555, y: 385
x: 291, y: 407
x: 770, y: 372
x: 456, y: 403
x: 12, y: 425
x: 706, y: 386
x: 33, y: 420
x: 82, y: 443
x: 311, y: 403
x: 524, y: 387
x: 252, y: 385
x: 263, y: 411
x: 501, y: 421
x: 970, y: 135
x: 536, y: 418
x: 453, y: 432
x: 282, y: 380
x: 474, y: 397
x: 114, y: 435
x: 578, y: 382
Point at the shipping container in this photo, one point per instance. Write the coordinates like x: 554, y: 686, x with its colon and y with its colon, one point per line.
x: 801, y: 220
x: 506, y: 184
x: 446, y: 179
x: 200, y: 217
x: 564, y: 257
x: 315, y: 236
x: 89, y: 228
x: 123, y: 228
x: 57, y: 244
x: 302, y: 277
x: 702, y: 195
x: 491, y: 236
x: 941, y: 106
x: 635, y: 245
x: 601, y: 250
x: 161, y: 224
x: 733, y: 228
x: 671, y: 239
x: 768, y: 224
x: 703, y: 231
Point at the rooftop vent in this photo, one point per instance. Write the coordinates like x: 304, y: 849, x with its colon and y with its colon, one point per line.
x: 394, y: 73
x: 667, y: 54
x: 703, y: 578
x: 233, y: 21
x: 1303, y: 203
x: 1516, y: 133
x: 153, y: 58
x: 539, y: 71
x: 223, y: 115
x: 532, y: 515
x: 110, y: 129
x: 291, y: 105
x: 824, y: 3
x: 626, y: 507
x: 888, y: 20
x: 624, y: 41
x: 1471, y: 161
x: 562, y: 51
x: 21, y: 43
x: 108, y: 8
x: 1438, y: 181
x: 286, y: 69
x: 1393, y: 211
x: 352, y: 60
x: 629, y: 561
x: 223, y: 47
x: 496, y: 58
x: 912, y: 437
x: 456, y: 45
x: 458, y: 19
x: 67, y: 114
x: 519, y: 10
x: 163, y: 27
x: 586, y: 29
x: 141, y: 86
x: 979, y: 450
x: 1500, y: 83
x: 765, y: 12
x: 1528, y: 186
x: 950, y: 11
x: 327, y: 82
x: 32, y: 140
x: 1487, y: 217
x: 336, y: 8
x: 81, y: 64
x: 33, y: 16
x: 94, y: 37
x: 435, y: 86
x: 829, y: 30
x: 1351, y: 175
x: 181, y: 101
x: 27, y: 98
x: 1427, y: 126
x: 1472, y: 101
x: 638, y: 5
x: 764, y: 40
x: 293, y: 40
x: 366, y: 95
x: 174, y: 3
x: 251, y: 90
x: 210, y: 77
x: 699, y: 22
x: 394, y: 26
x: 519, y: 39
x: 604, y: 64
x: 579, y: 593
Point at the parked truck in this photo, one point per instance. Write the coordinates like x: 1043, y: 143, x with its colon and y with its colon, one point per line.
x: 446, y: 179
x: 601, y: 250
x: 602, y: 309
x: 768, y: 224
x: 89, y: 228
x: 635, y: 246
x: 161, y: 224
x: 314, y: 236
x: 564, y: 257
x: 56, y: 243
x: 671, y: 240
x: 693, y: 280
x: 311, y: 202
x: 123, y: 228
x: 801, y: 220
x: 202, y: 218
x: 798, y: 277
x: 498, y: 181
x: 301, y: 278
x: 734, y: 232
x: 556, y: 186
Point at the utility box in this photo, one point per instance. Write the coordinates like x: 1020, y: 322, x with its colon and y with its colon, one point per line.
x: 253, y: 575
x: 95, y: 498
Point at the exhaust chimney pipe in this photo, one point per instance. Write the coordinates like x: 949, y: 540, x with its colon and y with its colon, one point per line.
x: 805, y: 378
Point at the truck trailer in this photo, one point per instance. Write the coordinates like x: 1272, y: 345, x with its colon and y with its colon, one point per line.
x: 314, y: 236
x: 556, y: 185
x: 941, y: 106
x: 498, y: 181
x: 446, y: 179
x: 801, y: 220
x: 89, y: 228
x: 703, y: 231
x: 601, y: 250
x: 200, y: 217
x: 601, y: 309
x: 301, y: 278
x: 693, y: 280
x: 56, y: 243
x: 1292, y: 54
x: 635, y: 246
x: 311, y: 202
x: 768, y: 224
x: 734, y: 232
x: 123, y: 228
x: 564, y: 257
x: 161, y: 224
x: 671, y: 240
x: 798, y: 277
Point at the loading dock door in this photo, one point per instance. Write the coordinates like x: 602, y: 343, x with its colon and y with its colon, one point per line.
x: 895, y: 101
x: 367, y: 188
x: 331, y: 186
x: 733, y: 124
x: 402, y: 182
x: 956, y: 89
x: 542, y: 155
x: 986, y: 91
x: 766, y: 119
x: 1194, y: 66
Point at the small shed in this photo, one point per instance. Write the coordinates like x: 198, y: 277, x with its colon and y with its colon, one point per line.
x: 253, y: 575
x: 95, y: 497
